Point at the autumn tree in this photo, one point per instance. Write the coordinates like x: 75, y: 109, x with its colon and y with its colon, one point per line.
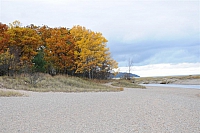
x: 7, y: 63
x: 107, y: 67
x: 77, y: 51
x: 23, y: 44
x: 59, y: 50
x: 44, y: 32
x: 90, y: 51
x: 84, y: 59
x: 4, y: 37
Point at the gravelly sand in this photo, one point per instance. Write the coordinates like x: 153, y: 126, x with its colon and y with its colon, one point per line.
x: 152, y: 110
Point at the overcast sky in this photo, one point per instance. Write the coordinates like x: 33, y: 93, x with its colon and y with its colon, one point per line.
x: 148, y: 31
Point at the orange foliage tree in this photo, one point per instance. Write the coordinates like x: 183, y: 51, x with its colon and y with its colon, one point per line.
x: 59, y: 50
x: 4, y: 37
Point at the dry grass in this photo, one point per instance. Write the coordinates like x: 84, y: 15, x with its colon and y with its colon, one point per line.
x: 10, y: 94
x: 165, y: 79
x: 127, y: 84
x: 104, y: 81
x: 121, y: 89
x: 59, y: 83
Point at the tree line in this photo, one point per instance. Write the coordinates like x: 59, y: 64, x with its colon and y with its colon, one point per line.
x: 75, y: 51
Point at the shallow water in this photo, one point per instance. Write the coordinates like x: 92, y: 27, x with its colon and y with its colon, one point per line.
x: 174, y: 85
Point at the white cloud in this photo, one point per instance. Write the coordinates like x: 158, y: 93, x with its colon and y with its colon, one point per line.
x: 164, y: 69
x: 156, y: 31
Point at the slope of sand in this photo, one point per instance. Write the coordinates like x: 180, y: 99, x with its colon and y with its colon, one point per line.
x: 152, y: 110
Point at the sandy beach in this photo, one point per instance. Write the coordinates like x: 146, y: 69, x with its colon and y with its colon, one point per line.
x: 152, y: 110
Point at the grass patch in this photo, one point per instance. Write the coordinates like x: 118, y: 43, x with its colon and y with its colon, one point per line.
x: 10, y: 94
x: 127, y: 84
x: 59, y: 83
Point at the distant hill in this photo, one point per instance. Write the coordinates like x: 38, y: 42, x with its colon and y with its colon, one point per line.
x: 122, y: 74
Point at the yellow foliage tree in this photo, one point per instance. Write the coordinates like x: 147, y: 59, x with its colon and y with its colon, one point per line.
x: 23, y: 43
x: 90, y: 51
